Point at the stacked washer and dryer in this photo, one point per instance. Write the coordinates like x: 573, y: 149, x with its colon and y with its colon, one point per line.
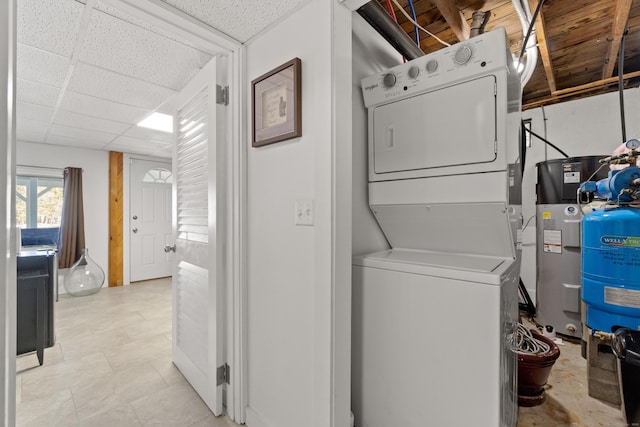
x: 434, y: 315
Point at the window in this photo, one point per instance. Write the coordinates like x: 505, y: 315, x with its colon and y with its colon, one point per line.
x: 159, y: 176
x: 38, y: 201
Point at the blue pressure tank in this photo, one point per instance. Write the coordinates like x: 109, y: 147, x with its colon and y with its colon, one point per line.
x: 611, y: 268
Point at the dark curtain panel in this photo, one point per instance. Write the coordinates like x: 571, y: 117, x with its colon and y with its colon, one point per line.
x: 71, y: 239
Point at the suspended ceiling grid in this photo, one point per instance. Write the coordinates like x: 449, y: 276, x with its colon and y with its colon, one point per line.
x: 87, y: 73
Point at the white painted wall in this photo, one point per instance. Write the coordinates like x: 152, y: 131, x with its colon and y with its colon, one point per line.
x: 292, y: 276
x: 95, y: 190
x: 589, y: 126
x: 371, y: 54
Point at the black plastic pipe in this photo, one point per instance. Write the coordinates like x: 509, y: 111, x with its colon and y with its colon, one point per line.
x: 621, y: 85
x: 380, y: 20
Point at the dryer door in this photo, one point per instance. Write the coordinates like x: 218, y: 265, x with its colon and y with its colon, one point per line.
x: 452, y: 126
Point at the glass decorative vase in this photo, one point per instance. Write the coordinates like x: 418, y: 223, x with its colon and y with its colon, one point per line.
x: 85, y: 277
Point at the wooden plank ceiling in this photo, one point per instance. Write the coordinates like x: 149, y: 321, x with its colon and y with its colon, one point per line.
x: 578, y: 41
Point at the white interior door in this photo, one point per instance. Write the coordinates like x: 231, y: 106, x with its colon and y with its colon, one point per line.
x: 200, y: 232
x: 150, y: 221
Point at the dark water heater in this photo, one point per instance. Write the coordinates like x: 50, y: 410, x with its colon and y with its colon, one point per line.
x: 558, y: 250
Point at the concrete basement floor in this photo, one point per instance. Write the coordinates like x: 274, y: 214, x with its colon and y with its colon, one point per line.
x: 568, y: 402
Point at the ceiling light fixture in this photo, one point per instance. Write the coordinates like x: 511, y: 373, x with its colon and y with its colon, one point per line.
x: 158, y: 121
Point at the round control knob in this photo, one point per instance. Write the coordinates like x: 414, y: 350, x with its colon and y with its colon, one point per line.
x: 463, y: 55
x: 413, y: 72
x: 432, y: 66
x: 389, y: 80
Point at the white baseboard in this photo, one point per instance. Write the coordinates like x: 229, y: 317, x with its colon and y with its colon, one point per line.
x: 253, y: 419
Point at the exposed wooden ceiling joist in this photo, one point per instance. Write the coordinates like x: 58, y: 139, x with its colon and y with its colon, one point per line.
x: 575, y: 38
x: 541, y: 35
x: 454, y: 18
x: 577, y: 90
x: 621, y: 16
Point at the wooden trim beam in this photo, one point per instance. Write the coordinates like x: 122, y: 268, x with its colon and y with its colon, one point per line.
x: 576, y: 90
x: 454, y: 18
x: 116, y: 271
x: 621, y: 16
x: 541, y: 35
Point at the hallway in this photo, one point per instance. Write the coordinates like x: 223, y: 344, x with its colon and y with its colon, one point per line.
x: 111, y: 365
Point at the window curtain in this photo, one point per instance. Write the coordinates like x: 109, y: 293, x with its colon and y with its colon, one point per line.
x: 71, y: 237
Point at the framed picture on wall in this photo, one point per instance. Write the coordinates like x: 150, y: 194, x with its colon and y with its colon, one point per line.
x: 277, y: 104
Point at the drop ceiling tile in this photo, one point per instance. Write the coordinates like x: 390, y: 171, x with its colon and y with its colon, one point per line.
x: 74, y: 142
x: 125, y: 48
x: 140, y: 146
x: 149, y: 135
x: 30, y: 130
x: 111, y: 86
x: 41, y: 66
x: 146, y: 152
x: 82, y: 121
x: 30, y: 135
x: 36, y: 93
x: 240, y: 20
x: 38, y: 113
x: 116, y: 13
x: 126, y: 141
x: 96, y: 107
x: 79, y: 134
x: 49, y: 24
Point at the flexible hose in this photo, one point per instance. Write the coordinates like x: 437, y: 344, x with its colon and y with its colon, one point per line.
x: 525, y: 343
x: 415, y: 27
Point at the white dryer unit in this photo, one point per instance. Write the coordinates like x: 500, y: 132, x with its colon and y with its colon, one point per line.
x: 433, y: 315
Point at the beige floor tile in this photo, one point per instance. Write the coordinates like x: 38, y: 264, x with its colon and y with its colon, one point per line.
x: 52, y: 355
x: 40, y: 382
x: 176, y: 405
x: 149, y: 328
x: 143, y: 350
x: 56, y: 409
x: 116, y: 416
x: 168, y: 370
x: 213, y: 421
x: 117, y: 389
x: 111, y: 363
x: 18, y: 389
x: 89, y: 343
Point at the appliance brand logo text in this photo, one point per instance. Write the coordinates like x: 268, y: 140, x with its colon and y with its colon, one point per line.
x: 620, y: 241
x: 372, y: 87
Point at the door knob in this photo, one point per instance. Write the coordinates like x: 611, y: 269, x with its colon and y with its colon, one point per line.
x: 169, y: 248
x: 135, y: 230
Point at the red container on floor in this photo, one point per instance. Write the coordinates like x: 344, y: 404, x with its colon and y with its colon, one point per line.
x: 533, y: 372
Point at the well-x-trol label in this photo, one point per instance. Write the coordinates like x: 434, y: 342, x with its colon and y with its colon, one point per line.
x: 626, y: 241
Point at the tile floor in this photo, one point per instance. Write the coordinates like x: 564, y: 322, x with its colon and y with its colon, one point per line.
x: 111, y: 366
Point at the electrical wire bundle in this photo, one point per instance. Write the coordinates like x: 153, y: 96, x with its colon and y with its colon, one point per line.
x: 526, y: 343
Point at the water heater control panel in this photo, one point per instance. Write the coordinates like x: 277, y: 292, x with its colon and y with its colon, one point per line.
x: 482, y: 53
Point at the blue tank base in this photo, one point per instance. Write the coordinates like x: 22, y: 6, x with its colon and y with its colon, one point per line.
x: 599, y: 320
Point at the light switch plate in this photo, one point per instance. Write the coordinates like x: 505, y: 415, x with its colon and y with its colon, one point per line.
x: 304, y: 212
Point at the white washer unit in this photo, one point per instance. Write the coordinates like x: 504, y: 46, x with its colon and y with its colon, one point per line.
x: 433, y: 315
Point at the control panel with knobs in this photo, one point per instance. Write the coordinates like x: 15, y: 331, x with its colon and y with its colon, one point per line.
x: 432, y: 66
x: 463, y: 54
x: 479, y: 54
x: 389, y: 80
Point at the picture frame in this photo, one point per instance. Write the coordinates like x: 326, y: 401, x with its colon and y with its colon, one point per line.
x: 277, y: 104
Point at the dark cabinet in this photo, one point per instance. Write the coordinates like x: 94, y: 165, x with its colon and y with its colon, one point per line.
x: 36, y: 287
